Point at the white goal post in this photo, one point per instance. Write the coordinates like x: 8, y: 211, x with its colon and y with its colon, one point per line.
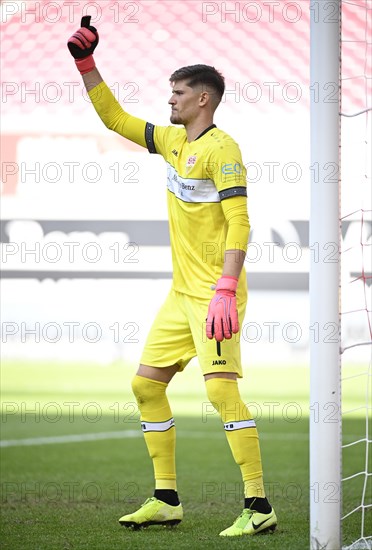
x: 325, y: 376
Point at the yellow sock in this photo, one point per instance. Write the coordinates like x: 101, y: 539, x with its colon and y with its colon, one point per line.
x: 241, y: 432
x: 158, y: 428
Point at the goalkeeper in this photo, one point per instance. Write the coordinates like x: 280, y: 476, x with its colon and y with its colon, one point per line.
x: 201, y: 316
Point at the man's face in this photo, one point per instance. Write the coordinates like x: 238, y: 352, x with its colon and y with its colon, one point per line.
x: 184, y: 102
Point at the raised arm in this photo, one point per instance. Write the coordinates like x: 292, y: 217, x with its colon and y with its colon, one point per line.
x: 92, y: 79
x: 82, y: 45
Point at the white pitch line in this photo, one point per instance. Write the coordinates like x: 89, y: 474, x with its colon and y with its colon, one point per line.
x: 101, y: 436
x: 71, y: 438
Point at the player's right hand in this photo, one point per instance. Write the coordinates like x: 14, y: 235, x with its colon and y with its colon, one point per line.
x: 84, y: 41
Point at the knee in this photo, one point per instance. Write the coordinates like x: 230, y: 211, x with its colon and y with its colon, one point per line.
x: 140, y: 389
x: 218, y: 390
x: 146, y: 390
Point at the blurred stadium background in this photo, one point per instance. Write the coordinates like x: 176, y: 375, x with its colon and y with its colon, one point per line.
x: 85, y: 247
x: 83, y: 211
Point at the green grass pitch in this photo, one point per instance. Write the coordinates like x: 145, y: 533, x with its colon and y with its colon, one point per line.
x: 66, y: 494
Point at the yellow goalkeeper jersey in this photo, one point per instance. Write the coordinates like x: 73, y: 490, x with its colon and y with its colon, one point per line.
x: 206, y: 182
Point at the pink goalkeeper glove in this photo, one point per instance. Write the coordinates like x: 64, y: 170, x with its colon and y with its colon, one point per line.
x: 222, y: 320
x: 82, y: 45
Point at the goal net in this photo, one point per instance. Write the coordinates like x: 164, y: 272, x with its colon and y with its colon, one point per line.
x: 356, y: 250
x: 340, y: 220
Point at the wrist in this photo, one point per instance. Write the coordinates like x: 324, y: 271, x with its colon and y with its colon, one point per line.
x: 85, y: 65
x: 227, y: 282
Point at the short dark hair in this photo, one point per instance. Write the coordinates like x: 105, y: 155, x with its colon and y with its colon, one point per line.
x: 201, y: 74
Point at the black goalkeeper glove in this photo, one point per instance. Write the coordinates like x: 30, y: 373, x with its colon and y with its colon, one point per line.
x: 82, y: 45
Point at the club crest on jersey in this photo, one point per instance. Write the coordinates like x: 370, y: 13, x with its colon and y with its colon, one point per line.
x: 191, y: 161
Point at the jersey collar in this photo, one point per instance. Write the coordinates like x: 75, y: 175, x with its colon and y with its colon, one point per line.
x: 205, y: 131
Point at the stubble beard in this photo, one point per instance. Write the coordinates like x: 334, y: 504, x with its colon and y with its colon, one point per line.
x: 175, y: 118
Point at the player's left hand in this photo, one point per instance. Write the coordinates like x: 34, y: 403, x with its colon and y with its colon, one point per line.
x: 222, y: 320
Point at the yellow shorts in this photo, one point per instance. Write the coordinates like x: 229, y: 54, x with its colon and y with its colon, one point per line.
x: 179, y: 333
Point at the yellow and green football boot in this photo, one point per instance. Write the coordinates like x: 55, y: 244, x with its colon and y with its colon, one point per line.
x: 153, y: 512
x: 251, y: 522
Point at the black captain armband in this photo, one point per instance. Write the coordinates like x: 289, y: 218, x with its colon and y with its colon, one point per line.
x: 149, y: 137
x: 239, y: 191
